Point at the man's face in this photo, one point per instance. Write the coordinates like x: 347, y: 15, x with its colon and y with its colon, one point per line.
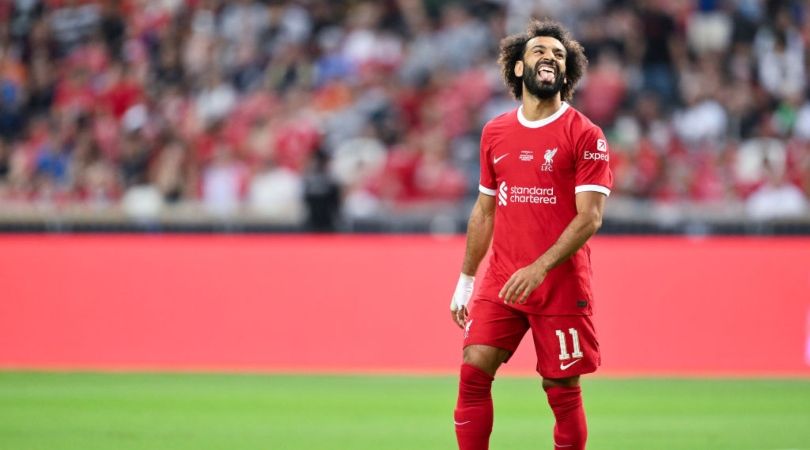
x: 542, y: 67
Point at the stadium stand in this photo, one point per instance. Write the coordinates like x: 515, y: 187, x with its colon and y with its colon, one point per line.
x: 366, y: 115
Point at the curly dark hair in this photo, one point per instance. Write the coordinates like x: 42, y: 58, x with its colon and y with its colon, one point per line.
x: 514, y: 46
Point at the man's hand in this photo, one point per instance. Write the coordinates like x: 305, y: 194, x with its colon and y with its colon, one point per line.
x: 522, y: 283
x: 460, y: 316
x: 461, y: 297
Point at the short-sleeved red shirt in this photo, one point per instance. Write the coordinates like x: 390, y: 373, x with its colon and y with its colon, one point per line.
x: 535, y: 169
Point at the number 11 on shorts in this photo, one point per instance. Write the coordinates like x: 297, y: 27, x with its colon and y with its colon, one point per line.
x: 577, y: 353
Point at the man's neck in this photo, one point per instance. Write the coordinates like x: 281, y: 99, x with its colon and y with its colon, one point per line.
x: 538, y: 109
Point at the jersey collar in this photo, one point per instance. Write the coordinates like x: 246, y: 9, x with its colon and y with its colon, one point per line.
x: 542, y: 122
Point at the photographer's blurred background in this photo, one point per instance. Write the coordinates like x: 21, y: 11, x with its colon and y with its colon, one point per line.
x: 366, y: 115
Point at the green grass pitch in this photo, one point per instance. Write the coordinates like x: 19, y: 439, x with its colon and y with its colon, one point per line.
x: 87, y: 411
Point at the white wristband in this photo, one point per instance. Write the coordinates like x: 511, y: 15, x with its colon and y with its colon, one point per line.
x: 464, y: 290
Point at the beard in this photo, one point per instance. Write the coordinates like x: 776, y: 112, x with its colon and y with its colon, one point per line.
x: 540, y: 89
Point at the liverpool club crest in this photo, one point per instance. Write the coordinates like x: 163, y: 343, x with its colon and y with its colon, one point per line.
x: 549, y: 159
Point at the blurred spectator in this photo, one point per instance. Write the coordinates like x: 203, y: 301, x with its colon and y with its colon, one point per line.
x: 170, y: 172
x: 4, y: 163
x: 661, y: 40
x: 777, y: 198
x: 224, y: 181
x: 321, y: 195
x: 780, y: 54
x: 276, y: 193
x: 802, y: 127
x: 72, y: 23
x: 113, y: 27
x: 41, y: 86
x: 95, y: 177
x: 461, y: 39
x: 134, y: 158
x: 215, y: 100
x: 605, y: 89
x: 755, y: 158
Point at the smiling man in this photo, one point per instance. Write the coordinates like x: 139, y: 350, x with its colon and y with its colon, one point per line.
x: 544, y: 181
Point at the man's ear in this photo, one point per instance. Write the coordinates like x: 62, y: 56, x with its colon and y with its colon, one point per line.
x: 519, y: 69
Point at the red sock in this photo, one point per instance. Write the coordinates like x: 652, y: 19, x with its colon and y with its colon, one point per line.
x: 570, y: 431
x: 473, y: 415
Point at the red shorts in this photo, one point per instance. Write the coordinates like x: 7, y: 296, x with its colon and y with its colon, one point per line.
x: 565, y: 345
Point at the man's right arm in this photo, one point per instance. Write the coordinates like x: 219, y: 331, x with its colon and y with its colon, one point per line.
x: 479, y: 235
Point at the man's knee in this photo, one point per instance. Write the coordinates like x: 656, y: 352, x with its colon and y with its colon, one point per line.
x: 560, y: 382
x: 485, y: 357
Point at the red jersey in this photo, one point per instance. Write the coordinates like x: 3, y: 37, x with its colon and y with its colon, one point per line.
x: 535, y: 169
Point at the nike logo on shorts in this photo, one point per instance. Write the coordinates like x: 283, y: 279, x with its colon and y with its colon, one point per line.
x: 500, y: 158
x: 566, y: 366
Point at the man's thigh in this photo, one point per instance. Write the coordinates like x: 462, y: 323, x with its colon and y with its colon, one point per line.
x: 496, y: 325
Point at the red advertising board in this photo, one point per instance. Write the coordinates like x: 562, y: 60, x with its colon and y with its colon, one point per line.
x: 664, y: 305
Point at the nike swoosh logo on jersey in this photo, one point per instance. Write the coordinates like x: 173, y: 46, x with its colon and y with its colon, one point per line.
x: 566, y: 366
x: 462, y: 423
x: 500, y: 157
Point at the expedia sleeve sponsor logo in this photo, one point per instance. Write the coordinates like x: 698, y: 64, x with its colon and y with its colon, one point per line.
x: 596, y: 156
x: 601, y: 145
x: 601, y: 154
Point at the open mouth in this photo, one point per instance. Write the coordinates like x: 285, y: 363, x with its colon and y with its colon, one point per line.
x: 546, y: 72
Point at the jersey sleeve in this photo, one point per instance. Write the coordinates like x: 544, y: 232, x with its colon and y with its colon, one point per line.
x: 593, y: 163
x: 486, y: 183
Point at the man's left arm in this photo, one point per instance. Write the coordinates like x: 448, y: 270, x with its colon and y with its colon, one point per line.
x: 590, y: 206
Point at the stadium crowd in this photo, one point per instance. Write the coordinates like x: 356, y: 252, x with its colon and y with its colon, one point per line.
x: 310, y: 110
